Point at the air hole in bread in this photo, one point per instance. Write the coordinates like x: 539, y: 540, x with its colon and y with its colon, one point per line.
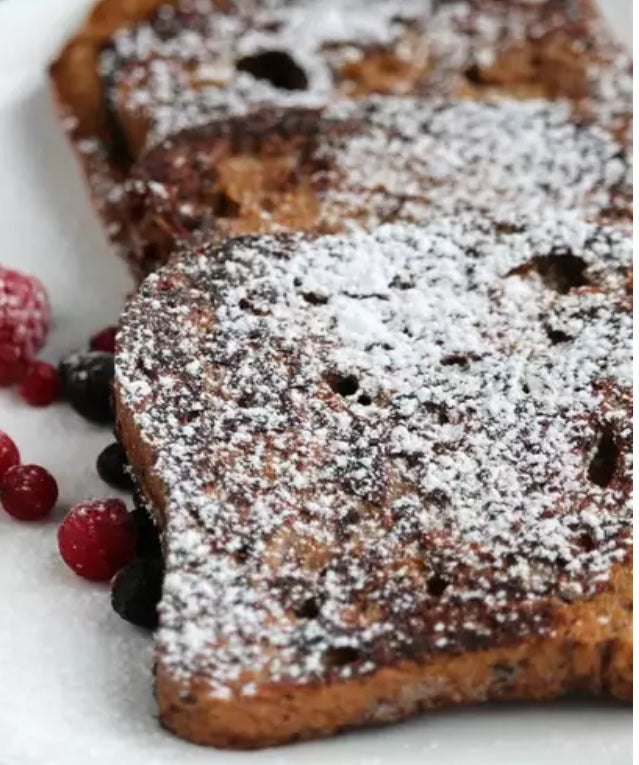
x: 243, y: 554
x: 313, y: 298
x: 224, y: 206
x: 341, y: 657
x: 455, y: 360
x: 364, y: 399
x: 245, y: 400
x: 436, y: 585
x: 277, y: 67
x: 309, y: 609
x: 438, y: 410
x: 474, y: 75
x: 556, y: 336
x: 351, y: 517
x: 604, y: 461
x: 586, y: 542
x: 559, y: 271
x: 344, y: 385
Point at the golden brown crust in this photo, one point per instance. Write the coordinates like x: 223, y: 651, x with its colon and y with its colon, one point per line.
x: 74, y: 73
x: 591, y: 651
x: 546, y: 63
x: 313, y: 170
x: 584, y: 646
x: 78, y: 94
x: 583, y: 656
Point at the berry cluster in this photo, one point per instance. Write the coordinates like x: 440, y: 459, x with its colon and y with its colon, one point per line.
x: 27, y: 492
x: 98, y: 539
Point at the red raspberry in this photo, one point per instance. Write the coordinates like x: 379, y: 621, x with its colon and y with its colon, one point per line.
x: 25, y: 316
x: 97, y: 538
x: 9, y: 454
x: 104, y: 340
x: 40, y: 385
x: 28, y: 492
x: 12, y: 364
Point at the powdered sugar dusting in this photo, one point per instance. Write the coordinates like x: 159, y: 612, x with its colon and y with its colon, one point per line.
x: 183, y: 67
x: 381, y: 445
x: 418, y: 159
x: 379, y: 160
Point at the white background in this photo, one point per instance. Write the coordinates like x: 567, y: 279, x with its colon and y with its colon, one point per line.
x: 75, y: 681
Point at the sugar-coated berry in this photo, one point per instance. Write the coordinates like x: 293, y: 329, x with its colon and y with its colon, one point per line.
x: 28, y: 492
x: 104, y: 340
x: 9, y: 454
x: 86, y: 380
x: 40, y: 385
x: 97, y: 538
x: 112, y: 467
x: 136, y: 591
x: 148, y: 536
x: 25, y: 317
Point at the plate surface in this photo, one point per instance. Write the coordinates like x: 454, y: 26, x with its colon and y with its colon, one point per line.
x: 75, y: 681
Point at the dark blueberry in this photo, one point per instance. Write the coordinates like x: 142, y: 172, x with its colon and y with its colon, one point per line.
x: 136, y: 591
x: 112, y: 467
x: 86, y: 379
x: 148, y: 544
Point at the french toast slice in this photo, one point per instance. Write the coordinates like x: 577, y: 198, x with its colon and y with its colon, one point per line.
x: 368, y: 162
x: 392, y: 469
x: 139, y: 71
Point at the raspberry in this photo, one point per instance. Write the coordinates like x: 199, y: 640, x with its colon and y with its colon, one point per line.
x: 12, y: 364
x: 9, y: 454
x: 40, y: 385
x: 25, y: 316
x: 28, y: 492
x: 104, y: 340
x: 97, y: 538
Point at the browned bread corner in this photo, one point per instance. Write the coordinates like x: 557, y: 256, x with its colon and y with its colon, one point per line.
x: 142, y: 70
x: 393, y: 471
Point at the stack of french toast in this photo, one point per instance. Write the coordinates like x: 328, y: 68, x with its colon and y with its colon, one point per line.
x: 376, y: 382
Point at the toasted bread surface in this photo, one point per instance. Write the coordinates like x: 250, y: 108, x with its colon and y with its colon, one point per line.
x: 140, y: 71
x: 369, y: 162
x: 392, y: 470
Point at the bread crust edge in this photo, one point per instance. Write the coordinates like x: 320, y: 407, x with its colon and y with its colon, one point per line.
x: 589, y: 649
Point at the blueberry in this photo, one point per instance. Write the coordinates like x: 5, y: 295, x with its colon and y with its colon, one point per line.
x: 86, y: 379
x: 136, y: 591
x: 112, y: 467
x: 148, y: 545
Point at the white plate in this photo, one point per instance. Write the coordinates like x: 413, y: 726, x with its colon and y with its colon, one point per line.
x: 75, y: 681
